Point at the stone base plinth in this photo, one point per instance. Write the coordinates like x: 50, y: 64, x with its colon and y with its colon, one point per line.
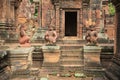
x: 20, y: 59
x: 51, y: 54
x: 51, y: 59
x: 92, y: 58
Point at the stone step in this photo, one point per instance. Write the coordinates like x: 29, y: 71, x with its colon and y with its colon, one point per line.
x: 21, y: 72
x: 107, y: 55
x: 18, y: 56
x: 71, y: 41
x: 34, y: 71
x: 72, y: 58
x: 17, y: 62
x: 37, y: 56
x: 71, y: 47
x: 15, y: 58
x: 96, y: 74
x: 69, y: 53
x: 23, y: 78
x: 46, y: 71
x: 67, y: 68
x: 47, y: 64
x: 72, y: 62
x: 71, y: 50
x: 50, y: 68
x: 77, y: 65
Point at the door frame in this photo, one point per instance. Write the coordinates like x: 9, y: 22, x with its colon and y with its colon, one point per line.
x: 63, y: 21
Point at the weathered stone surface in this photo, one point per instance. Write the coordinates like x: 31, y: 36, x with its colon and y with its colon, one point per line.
x: 92, y: 57
x: 92, y: 49
x: 51, y: 53
x: 71, y: 4
x: 50, y: 47
x: 51, y: 59
x: 4, y: 65
x: 113, y: 70
x: 39, y: 34
x: 26, y: 78
x: 21, y: 60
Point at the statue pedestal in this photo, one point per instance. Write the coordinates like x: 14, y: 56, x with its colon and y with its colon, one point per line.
x: 20, y: 59
x: 51, y: 54
x: 92, y: 58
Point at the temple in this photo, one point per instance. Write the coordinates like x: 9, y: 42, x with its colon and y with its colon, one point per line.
x: 59, y: 39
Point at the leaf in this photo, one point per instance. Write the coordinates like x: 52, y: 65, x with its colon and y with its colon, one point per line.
x: 111, y: 9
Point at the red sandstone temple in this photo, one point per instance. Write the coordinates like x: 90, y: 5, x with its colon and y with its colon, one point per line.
x: 70, y: 58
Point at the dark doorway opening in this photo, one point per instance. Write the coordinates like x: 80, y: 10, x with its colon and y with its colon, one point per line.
x: 70, y: 23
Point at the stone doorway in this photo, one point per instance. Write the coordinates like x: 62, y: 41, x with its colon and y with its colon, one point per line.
x: 70, y: 23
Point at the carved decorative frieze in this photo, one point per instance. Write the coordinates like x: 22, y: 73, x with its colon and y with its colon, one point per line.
x: 68, y: 3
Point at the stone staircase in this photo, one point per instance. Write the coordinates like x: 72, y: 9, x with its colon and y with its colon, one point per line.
x: 71, y: 56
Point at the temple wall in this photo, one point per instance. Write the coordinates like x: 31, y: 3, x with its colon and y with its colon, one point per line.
x: 71, y: 4
x: 3, y: 10
x: 48, y: 13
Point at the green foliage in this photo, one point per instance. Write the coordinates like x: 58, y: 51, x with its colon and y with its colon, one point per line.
x: 66, y: 75
x: 36, y: 11
x: 31, y: 1
x: 111, y: 9
x: 79, y: 75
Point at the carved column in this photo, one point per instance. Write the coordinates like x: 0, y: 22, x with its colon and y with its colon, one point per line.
x: 115, y: 36
x: 57, y: 7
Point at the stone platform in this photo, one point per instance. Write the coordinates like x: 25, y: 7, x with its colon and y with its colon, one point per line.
x: 21, y: 63
x: 51, y: 59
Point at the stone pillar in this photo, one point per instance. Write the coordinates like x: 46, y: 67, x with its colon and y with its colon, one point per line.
x: 62, y: 23
x: 57, y: 8
x: 115, y: 32
x: 80, y: 26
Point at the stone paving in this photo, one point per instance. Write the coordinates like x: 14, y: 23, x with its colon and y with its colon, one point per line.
x: 58, y: 78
